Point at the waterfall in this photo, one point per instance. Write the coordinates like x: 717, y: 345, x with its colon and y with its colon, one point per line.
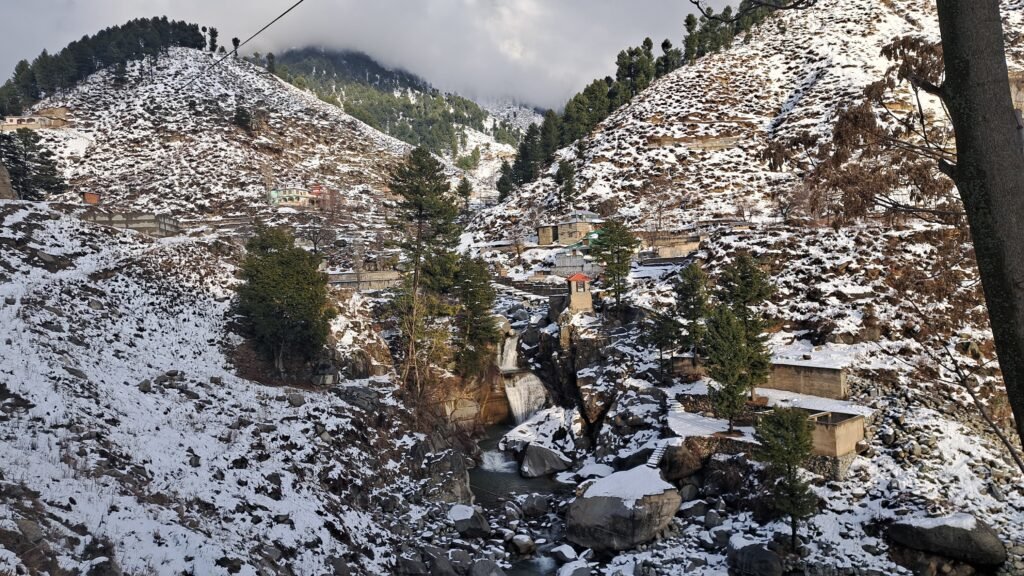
x: 526, y: 394
x: 498, y: 461
x: 510, y: 354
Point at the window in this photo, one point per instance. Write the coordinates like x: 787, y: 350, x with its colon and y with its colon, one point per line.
x: 581, y: 286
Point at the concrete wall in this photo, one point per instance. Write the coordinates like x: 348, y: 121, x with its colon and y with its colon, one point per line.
x: 366, y: 280
x: 1017, y: 89
x: 813, y: 380
x: 546, y: 235
x: 156, y: 225
x: 837, y: 438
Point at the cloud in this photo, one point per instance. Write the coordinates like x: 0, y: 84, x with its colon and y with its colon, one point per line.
x: 535, y: 51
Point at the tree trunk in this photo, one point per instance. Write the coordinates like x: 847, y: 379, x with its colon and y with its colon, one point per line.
x: 989, y: 173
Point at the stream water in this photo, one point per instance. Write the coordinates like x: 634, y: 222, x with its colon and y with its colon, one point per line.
x: 497, y: 480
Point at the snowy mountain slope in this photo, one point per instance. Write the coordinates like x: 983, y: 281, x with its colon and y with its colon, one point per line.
x: 162, y: 144
x: 127, y: 437
x: 690, y: 147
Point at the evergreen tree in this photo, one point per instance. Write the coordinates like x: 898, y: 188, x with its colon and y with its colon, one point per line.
x: 692, y: 306
x: 663, y: 333
x: 744, y: 287
x: 33, y: 169
x: 271, y: 63
x: 565, y: 177
x: 213, y: 39
x: 464, y: 190
x: 550, y: 136
x: 243, y: 118
x: 426, y: 222
x: 476, y: 327
x: 785, y: 442
x: 727, y: 363
x: 505, y: 183
x: 614, y: 248
x: 283, y: 297
x: 234, y: 46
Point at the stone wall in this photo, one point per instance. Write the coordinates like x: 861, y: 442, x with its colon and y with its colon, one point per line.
x: 367, y: 280
x: 6, y: 192
x: 820, y: 381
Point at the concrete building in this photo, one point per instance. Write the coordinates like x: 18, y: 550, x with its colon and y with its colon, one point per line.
x: 580, y: 299
x: 574, y: 229
x: 157, y: 225
x: 809, y: 378
x: 835, y: 434
x: 12, y: 123
x: 366, y: 281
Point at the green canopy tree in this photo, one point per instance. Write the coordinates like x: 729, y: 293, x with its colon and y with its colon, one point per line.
x: 426, y: 224
x: 464, y: 190
x: 283, y: 297
x: 692, y: 306
x: 785, y: 445
x: 33, y: 169
x: 728, y: 363
x: 476, y: 326
x: 744, y: 286
x: 663, y: 333
x: 565, y: 177
x: 614, y: 248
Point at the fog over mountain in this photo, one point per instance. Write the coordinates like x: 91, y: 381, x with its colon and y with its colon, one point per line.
x: 530, y: 50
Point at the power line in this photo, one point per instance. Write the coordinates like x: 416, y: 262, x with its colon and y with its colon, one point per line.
x: 247, y: 40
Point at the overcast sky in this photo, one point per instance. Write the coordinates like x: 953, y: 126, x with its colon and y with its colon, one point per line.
x: 537, y: 51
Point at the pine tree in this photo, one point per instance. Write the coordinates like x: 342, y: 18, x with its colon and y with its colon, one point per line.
x: 663, y: 334
x: 426, y: 222
x: 785, y: 442
x: 271, y: 63
x: 550, y: 136
x: 614, y: 248
x: 692, y: 306
x: 283, y: 297
x: 464, y: 191
x: 234, y: 46
x: 213, y: 39
x: 565, y: 177
x: 744, y: 287
x: 505, y: 183
x: 476, y: 326
x: 33, y: 169
x: 727, y: 363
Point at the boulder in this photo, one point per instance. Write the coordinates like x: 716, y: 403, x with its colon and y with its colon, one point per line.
x: 622, y: 510
x: 523, y: 544
x: 575, y: 568
x: 486, y: 568
x: 296, y: 399
x: 754, y: 560
x: 680, y: 462
x: 540, y: 461
x: 564, y: 553
x: 960, y: 537
x: 535, y: 505
x: 469, y: 522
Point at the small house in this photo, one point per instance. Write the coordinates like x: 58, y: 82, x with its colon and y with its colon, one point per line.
x: 822, y: 380
x: 835, y: 434
x: 580, y: 299
x: 576, y: 228
x: 547, y: 235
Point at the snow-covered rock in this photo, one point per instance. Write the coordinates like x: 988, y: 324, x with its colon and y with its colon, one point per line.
x: 622, y: 510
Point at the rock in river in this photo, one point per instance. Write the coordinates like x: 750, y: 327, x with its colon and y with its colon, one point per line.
x: 540, y: 461
x: 622, y: 510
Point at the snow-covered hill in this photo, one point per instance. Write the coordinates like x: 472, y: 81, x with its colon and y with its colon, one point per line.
x: 691, y: 146
x: 128, y: 440
x: 166, y: 140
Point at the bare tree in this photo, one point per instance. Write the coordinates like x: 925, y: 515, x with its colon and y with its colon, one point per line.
x: 986, y: 169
